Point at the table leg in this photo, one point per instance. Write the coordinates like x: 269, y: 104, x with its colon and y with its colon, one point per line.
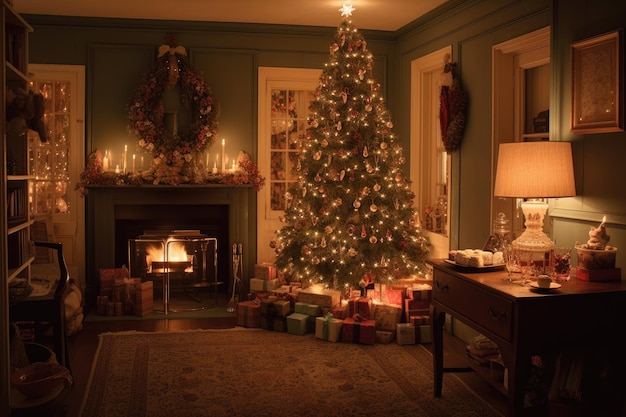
x: 436, y: 330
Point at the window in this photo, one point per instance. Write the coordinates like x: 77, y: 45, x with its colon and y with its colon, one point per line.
x: 284, y: 97
x: 288, y: 118
x: 49, y: 156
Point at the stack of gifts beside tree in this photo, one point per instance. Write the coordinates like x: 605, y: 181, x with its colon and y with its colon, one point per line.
x: 265, y: 278
x: 120, y: 294
x: 386, y: 313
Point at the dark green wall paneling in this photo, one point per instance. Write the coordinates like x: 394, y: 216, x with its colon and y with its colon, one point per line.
x: 235, y: 91
x: 114, y: 72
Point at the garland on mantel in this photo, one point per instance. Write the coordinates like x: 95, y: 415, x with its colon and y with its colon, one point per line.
x: 94, y: 174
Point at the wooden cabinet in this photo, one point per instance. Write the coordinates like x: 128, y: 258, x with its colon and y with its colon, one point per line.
x: 522, y: 322
x: 15, y: 184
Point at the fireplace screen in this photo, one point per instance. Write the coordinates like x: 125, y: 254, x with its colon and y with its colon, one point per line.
x: 182, y: 266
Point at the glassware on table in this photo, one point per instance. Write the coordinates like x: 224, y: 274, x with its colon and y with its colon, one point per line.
x: 511, y: 258
x: 526, y: 264
x: 560, y: 263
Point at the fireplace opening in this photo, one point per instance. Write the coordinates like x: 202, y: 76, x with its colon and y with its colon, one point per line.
x: 193, y: 225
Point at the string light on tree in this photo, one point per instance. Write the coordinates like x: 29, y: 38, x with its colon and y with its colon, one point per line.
x: 350, y: 218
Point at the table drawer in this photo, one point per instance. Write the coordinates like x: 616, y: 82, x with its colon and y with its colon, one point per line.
x: 470, y: 301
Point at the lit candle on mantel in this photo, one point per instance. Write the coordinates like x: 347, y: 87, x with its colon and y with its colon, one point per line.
x: 105, y: 161
x: 133, y: 164
x: 125, y: 152
x: 223, y: 155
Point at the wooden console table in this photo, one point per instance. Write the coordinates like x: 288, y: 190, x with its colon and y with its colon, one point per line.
x: 522, y: 322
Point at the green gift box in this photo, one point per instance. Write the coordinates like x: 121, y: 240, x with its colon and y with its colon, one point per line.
x: 328, y: 328
x: 297, y: 323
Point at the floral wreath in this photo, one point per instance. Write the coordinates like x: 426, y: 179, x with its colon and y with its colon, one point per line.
x: 147, y: 111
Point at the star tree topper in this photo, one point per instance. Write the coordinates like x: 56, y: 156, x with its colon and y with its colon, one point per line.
x: 346, y: 10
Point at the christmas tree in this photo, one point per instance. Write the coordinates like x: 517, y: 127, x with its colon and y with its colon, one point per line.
x: 350, y: 219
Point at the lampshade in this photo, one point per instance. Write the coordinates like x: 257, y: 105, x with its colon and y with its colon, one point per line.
x: 535, y: 170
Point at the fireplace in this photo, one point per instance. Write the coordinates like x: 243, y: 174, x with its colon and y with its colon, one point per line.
x: 118, y: 215
x: 183, y: 266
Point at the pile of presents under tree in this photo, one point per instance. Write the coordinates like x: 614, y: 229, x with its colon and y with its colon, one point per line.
x: 383, y: 314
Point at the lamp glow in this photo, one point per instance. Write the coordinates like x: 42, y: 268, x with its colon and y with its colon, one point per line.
x: 534, y: 171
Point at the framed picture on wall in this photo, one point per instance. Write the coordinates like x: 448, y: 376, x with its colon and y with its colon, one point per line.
x: 597, y: 90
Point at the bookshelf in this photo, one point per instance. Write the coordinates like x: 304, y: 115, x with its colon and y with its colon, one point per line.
x: 15, y: 224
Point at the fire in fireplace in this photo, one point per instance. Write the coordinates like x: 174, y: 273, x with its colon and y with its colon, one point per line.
x: 182, y: 265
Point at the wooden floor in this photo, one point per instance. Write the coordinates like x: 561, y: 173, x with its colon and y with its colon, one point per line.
x: 83, y: 347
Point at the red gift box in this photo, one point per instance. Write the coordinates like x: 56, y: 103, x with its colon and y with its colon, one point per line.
x: 354, y: 331
x: 362, y: 306
x: 265, y: 271
x: 249, y: 314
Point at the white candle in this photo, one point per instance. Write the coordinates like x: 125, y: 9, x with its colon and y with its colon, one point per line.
x: 232, y: 167
x: 215, y: 168
x: 124, y: 162
x: 133, y: 163
x: 105, y: 161
x: 117, y: 169
x: 223, y: 154
x: 142, y: 163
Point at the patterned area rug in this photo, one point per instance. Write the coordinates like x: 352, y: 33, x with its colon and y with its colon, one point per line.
x: 254, y: 372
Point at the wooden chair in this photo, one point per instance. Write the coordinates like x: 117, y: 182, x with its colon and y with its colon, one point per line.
x: 48, y: 308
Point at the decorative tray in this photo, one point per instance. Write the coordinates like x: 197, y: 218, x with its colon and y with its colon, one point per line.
x: 467, y: 268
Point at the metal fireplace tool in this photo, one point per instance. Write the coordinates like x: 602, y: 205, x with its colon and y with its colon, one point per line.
x: 237, y: 274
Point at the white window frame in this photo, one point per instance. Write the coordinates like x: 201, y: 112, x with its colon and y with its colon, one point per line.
x: 272, y: 78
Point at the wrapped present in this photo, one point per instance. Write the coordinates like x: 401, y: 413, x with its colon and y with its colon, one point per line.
x: 340, y: 311
x: 257, y: 284
x: 386, y: 294
x: 318, y: 296
x: 405, y: 334
x: 387, y: 316
x: 265, y: 271
x: 414, y: 307
x: 420, y: 292
x: 300, y: 307
x: 297, y: 323
x: 328, y: 328
x: 274, y: 323
x: 249, y: 314
x: 144, y: 299
x: 417, y: 304
x: 385, y: 336
x: 306, y: 308
x: 422, y: 334
x: 358, y: 331
x: 273, y: 306
x: 362, y: 306
x: 111, y: 274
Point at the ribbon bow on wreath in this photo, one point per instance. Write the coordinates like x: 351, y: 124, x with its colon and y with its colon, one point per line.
x: 452, y: 108
x: 173, y: 61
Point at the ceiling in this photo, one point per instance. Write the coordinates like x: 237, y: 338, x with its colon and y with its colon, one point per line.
x: 388, y: 15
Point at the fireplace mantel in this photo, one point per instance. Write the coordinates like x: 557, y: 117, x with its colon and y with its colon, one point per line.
x: 103, y: 200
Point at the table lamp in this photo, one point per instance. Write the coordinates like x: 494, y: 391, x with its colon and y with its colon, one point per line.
x: 534, y: 171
